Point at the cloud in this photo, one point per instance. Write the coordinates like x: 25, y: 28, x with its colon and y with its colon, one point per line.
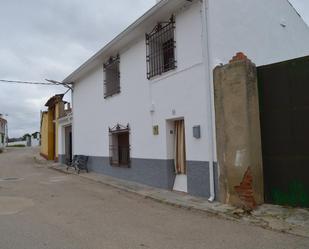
x: 49, y: 39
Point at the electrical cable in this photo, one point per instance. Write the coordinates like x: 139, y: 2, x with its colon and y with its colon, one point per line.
x: 29, y: 82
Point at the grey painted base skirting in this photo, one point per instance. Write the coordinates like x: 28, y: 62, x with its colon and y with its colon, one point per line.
x: 152, y: 172
x: 157, y: 173
x: 198, y: 178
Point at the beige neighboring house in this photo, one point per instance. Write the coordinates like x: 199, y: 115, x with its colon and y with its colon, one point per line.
x: 57, y: 109
x: 3, y: 132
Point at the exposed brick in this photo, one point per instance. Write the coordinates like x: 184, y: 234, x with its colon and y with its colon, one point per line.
x: 245, y: 191
x: 239, y: 57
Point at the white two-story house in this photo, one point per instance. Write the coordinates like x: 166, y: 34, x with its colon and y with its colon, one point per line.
x: 143, y: 104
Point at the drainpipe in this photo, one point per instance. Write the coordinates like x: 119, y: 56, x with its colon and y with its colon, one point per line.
x: 209, y: 91
x: 72, y: 120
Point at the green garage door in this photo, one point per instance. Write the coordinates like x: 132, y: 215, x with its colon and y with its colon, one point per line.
x: 284, y: 108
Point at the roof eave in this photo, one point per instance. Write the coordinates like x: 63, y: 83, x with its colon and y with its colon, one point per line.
x: 80, y: 70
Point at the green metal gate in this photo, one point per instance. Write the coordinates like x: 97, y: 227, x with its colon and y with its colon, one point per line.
x: 284, y: 111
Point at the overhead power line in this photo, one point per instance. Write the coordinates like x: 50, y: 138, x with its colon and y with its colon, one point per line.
x: 48, y: 83
x: 30, y: 82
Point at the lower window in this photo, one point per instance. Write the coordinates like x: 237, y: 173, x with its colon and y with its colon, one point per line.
x: 119, y: 146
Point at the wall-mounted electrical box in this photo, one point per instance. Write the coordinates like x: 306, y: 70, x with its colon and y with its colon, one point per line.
x: 197, y: 131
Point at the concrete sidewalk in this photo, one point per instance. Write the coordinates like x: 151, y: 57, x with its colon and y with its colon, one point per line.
x: 289, y: 220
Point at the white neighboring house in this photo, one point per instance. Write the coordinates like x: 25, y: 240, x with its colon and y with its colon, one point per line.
x: 3, y: 132
x: 35, y: 139
x: 65, y: 150
x: 148, y: 116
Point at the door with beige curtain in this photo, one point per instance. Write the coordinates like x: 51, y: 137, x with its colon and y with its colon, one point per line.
x: 180, y: 148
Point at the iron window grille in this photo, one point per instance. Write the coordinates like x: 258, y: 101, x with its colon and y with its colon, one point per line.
x: 112, y: 77
x: 160, y: 48
x: 119, y: 146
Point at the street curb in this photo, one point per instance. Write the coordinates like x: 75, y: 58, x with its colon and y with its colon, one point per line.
x: 187, y: 202
x: 147, y: 196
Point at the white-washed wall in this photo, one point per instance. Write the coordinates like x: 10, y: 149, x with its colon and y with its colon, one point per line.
x: 255, y: 28
x: 35, y: 142
x: 182, y: 90
x: 61, y: 134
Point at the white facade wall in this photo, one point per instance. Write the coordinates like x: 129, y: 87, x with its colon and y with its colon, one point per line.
x: 182, y: 92
x: 255, y: 28
x: 63, y: 123
x: 3, y: 134
x: 267, y: 31
x: 35, y: 142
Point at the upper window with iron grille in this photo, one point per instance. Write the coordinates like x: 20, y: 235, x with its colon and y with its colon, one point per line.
x: 161, y: 45
x: 112, y: 77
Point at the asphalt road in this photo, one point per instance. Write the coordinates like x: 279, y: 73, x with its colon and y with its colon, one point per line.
x: 41, y: 208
